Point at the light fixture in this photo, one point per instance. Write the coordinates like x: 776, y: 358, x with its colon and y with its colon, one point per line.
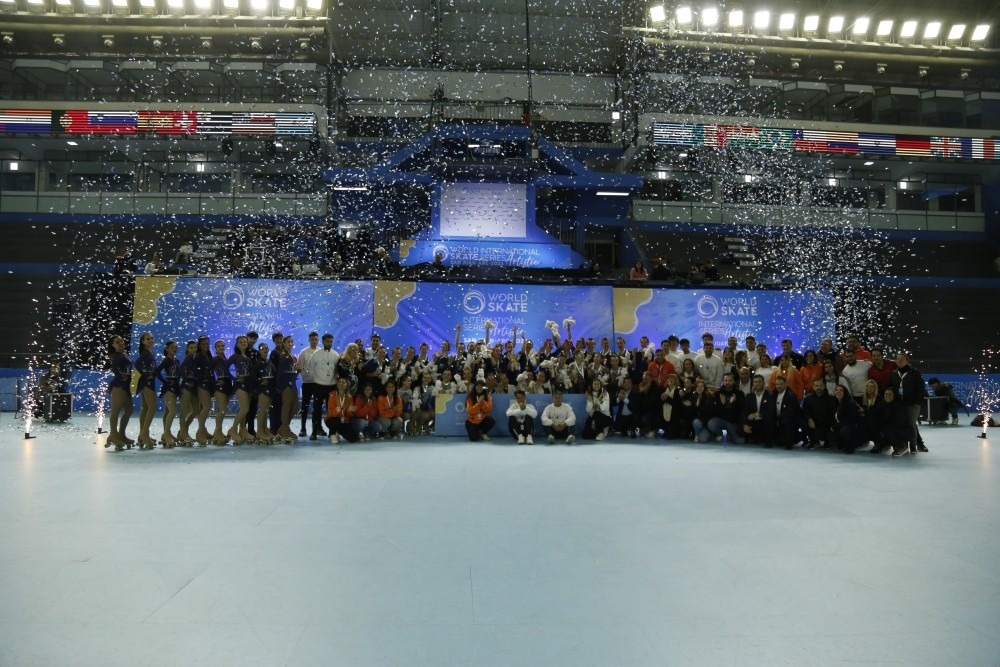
x: 980, y: 33
x: 286, y: 7
x: 880, y: 68
x: 156, y: 41
x: 955, y: 33
x: 260, y: 7
x: 314, y: 7
x: 735, y: 20
x: 305, y: 43
x: 230, y: 7
x: 796, y: 63
x: 964, y: 73
x: 72, y: 143
x: 175, y: 6
x: 835, y: 26
x: 902, y: 185
x: 64, y: 6
x: 884, y: 30
x: 832, y: 182
x: 58, y: 39
x: 657, y: 14
x: 838, y: 65
x: 14, y: 166
x: 199, y: 167
x: 860, y: 28
x: 810, y: 25
x: 206, y: 42
x: 256, y: 44
x: 923, y: 70
x: 108, y: 41
x: 869, y: 163
x: 203, y: 6
x: 350, y: 188
x: 7, y: 38
x: 748, y: 178
x: 36, y: 5
x: 612, y: 193
x: 710, y: 17
x: 786, y: 23
x: 119, y: 7
x: 616, y: 115
x: 92, y: 6
x: 750, y: 61
x: 932, y: 31
x: 147, y: 7
x: 685, y: 17
x: 761, y: 20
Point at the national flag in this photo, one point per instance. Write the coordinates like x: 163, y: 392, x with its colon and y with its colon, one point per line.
x: 872, y: 143
x: 168, y: 122
x: 913, y: 146
x: 983, y: 149
x: 97, y: 122
x: 675, y: 134
x: 22, y: 120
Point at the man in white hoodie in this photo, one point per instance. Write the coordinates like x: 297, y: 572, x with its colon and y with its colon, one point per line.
x: 521, y: 418
x: 558, y: 419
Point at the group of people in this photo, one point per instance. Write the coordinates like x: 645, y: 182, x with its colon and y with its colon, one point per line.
x: 843, y: 399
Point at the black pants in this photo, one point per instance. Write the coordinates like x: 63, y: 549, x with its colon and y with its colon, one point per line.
x: 476, y: 431
x: 596, y: 423
x: 252, y: 415
x: 525, y: 428
x: 308, y: 389
x: 344, y: 429
x: 559, y: 435
x: 624, y: 424
x: 320, y: 395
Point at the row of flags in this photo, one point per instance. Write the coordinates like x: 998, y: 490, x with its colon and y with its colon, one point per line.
x: 157, y: 122
x: 823, y: 141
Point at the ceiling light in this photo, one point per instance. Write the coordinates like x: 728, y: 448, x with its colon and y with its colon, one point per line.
x: 902, y: 185
x: 36, y: 5
x: 175, y: 6
x: 909, y: 29
x: 956, y: 32
x: 796, y: 63
x: 786, y: 23
x: 58, y: 39
x: 314, y: 7
x: 832, y: 182
x: 14, y: 166
x: 72, y: 143
x: 810, y: 25
x: 147, y: 7
x: 286, y: 6
x: 923, y: 70
x: 979, y: 34
x: 203, y: 5
x: 860, y: 28
x: 932, y: 30
x: 612, y: 193
x: 64, y: 6
x: 709, y: 17
x: 119, y: 7
x: 884, y: 28
x: 8, y: 38
x: 256, y: 44
x: 761, y: 20
x: 735, y: 20
x: 751, y: 61
x: 260, y: 6
x: 657, y: 14
x: 108, y: 41
x: 684, y: 16
x: 964, y: 73
x: 231, y: 7
x: 835, y: 26
x: 616, y: 115
x: 869, y: 163
x: 199, y: 167
x: 206, y: 42
x: 92, y: 4
x: 748, y: 178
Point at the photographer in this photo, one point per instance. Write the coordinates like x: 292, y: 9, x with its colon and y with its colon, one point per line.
x: 478, y: 405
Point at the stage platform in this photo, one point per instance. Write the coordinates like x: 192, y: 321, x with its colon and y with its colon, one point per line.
x: 439, y: 552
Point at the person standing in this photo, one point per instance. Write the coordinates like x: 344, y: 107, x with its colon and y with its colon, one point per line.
x: 909, y: 387
x: 322, y: 366
x: 168, y: 373
x: 287, y: 377
x: 146, y: 389
x: 120, y: 388
x: 242, y: 365
x: 308, y: 383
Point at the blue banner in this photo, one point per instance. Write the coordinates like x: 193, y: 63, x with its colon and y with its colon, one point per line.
x: 180, y: 308
x: 409, y: 313
x: 488, y: 253
x: 769, y: 315
x: 449, y: 417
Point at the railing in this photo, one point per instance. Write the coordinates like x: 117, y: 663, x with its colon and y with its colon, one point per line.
x: 735, y: 214
x: 112, y: 203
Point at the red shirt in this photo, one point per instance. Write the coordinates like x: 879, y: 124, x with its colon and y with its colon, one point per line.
x: 882, y: 376
x: 661, y: 371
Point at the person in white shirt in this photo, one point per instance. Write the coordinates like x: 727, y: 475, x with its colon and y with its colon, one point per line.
x: 745, y: 382
x: 710, y: 366
x: 321, y: 366
x: 598, y: 412
x: 559, y: 420
x: 753, y: 359
x: 854, y: 374
x: 308, y: 383
x: 521, y: 419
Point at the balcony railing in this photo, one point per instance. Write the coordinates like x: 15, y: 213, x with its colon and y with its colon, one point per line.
x: 118, y: 203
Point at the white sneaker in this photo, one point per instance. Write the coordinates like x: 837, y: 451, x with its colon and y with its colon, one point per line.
x: 552, y: 439
x: 520, y: 439
x: 486, y: 437
x: 600, y: 436
x: 530, y: 440
x: 570, y: 439
x: 334, y: 438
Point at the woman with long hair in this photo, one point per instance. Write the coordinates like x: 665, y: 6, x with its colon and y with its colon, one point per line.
x: 340, y: 413
x: 242, y: 365
x: 423, y: 405
x: 120, y: 388
x: 598, y: 412
x: 848, y: 431
x: 223, y: 390
x: 146, y: 388
x: 701, y: 408
x: 189, y: 407
x: 206, y: 386
x: 811, y: 369
x: 366, y: 423
x: 478, y: 405
x: 169, y: 375
x: 390, y: 411
x: 263, y: 375
x: 287, y: 377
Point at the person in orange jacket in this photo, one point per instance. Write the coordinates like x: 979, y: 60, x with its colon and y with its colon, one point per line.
x: 390, y: 411
x: 478, y: 405
x: 793, y: 379
x: 340, y: 413
x: 366, y: 423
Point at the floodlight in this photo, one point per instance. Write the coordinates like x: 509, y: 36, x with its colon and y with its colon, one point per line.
x: 657, y: 14
x: 616, y: 115
x: 231, y: 7
x: 835, y: 26
x: 203, y: 5
x: 923, y: 70
x: 955, y: 33
x: 305, y: 43
x: 7, y: 38
x: 786, y: 23
x: 761, y: 19
x: 709, y: 17
x: 156, y: 41
x: 860, y: 28
x: 908, y: 32
x: 175, y: 6
x: 884, y: 29
x: 810, y: 25
x: 64, y: 6
x: 903, y: 185
x: 286, y: 7
x: 932, y: 30
x: 206, y: 42
x: 314, y: 7
x: 735, y: 20
x: 684, y: 16
x: 979, y: 34
x: 108, y: 41
x: 199, y: 167
x: 14, y: 166
x: 260, y: 6
x: 748, y: 178
x: 256, y: 44
x: 58, y: 39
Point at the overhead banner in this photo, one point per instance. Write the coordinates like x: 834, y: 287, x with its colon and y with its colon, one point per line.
x: 408, y: 313
x: 769, y: 315
x: 174, y: 122
x: 178, y: 308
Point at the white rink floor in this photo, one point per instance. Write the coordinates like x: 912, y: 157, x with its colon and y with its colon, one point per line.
x: 443, y: 552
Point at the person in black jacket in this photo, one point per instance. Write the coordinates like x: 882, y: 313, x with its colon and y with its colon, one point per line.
x: 848, y: 432
x: 757, y: 416
x: 728, y: 404
x: 818, y: 410
x: 787, y: 414
x: 909, y: 388
x: 895, y: 430
x: 702, y: 409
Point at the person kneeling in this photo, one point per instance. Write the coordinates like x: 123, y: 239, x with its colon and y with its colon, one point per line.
x: 558, y: 419
x: 521, y: 418
x: 478, y: 405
